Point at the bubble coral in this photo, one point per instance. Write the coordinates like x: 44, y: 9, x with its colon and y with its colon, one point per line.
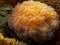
x: 9, y: 41
x: 35, y: 20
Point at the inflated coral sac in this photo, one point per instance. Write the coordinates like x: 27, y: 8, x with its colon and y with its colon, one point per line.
x: 35, y: 20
